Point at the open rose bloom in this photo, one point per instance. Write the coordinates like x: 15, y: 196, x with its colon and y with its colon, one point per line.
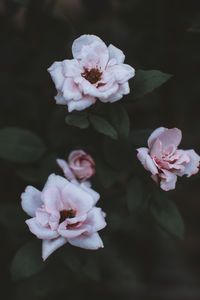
x: 95, y: 72
x: 64, y: 212
x: 165, y: 161
x: 80, y: 166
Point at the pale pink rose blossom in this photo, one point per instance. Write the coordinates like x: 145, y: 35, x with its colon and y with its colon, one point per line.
x: 64, y: 212
x: 80, y: 166
x: 165, y: 161
x: 95, y: 72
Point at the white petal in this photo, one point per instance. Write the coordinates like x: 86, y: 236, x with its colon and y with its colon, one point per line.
x: 31, y: 200
x: 116, y: 53
x: 91, y: 242
x: 155, y: 134
x: 55, y: 181
x: 57, y: 74
x: 85, y: 102
x: 49, y: 246
x: 41, y: 232
x: 83, y: 40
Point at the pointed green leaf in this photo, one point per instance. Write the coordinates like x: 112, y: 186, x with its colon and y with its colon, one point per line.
x: 20, y: 145
x: 120, y: 120
x: 77, y: 119
x: 103, y: 126
x: 166, y: 214
x: 27, y: 261
x: 146, y: 81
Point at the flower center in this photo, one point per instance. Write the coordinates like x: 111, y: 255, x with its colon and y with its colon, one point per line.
x: 67, y: 214
x: 93, y: 76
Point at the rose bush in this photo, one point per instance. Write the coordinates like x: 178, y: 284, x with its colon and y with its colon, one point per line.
x: 64, y: 212
x: 95, y: 72
x: 164, y: 160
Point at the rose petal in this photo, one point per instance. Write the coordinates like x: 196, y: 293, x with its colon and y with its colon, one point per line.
x: 155, y: 134
x: 31, y: 200
x: 39, y: 231
x: 122, y: 72
x: 116, y: 53
x: 93, y: 193
x: 66, y: 170
x: 56, y: 73
x: 70, y: 90
x: 95, y: 219
x: 146, y: 160
x: 60, y: 98
x: 70, y: 233
x: 91, y: 242
x: 52, y: 201
x: 49, y: 246
x: 85, y: 102
x: 192, y: 167
x: 75, y: 198
x: 71, y: 68
x: 170, y: 137
x: 55, y: 181
x: 168, y: 180
x: 83, y: 40
x: 91, y: 51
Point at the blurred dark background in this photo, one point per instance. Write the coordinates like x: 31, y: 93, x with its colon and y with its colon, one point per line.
x: 142, y: 263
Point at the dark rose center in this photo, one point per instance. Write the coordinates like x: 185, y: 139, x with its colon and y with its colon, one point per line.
x: 93, y: 76
x: 67, y: 214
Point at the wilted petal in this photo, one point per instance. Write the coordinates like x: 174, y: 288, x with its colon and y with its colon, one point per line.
x: 168, y: 180
x: 49, y: 246
x: 91, y: 242
x: 40, y: 231
x: 116, y: 53
x: 31, y: 200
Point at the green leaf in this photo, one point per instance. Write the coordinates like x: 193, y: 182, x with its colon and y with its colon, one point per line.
x: 12, y: 216
x: 27, y: 261
x: 77, y: 119
x: 105, y: 174
x: 20, y: 145
x: 120, y: 120
x: 166, y: 214
x: 103, y: 126
x: 135, y: 195
x: 146, y: 81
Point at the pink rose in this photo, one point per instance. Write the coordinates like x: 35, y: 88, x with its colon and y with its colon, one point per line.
x: 164, y: 160
x: 80, y: 164
x: 95, y: 72
x: 64, y: 212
